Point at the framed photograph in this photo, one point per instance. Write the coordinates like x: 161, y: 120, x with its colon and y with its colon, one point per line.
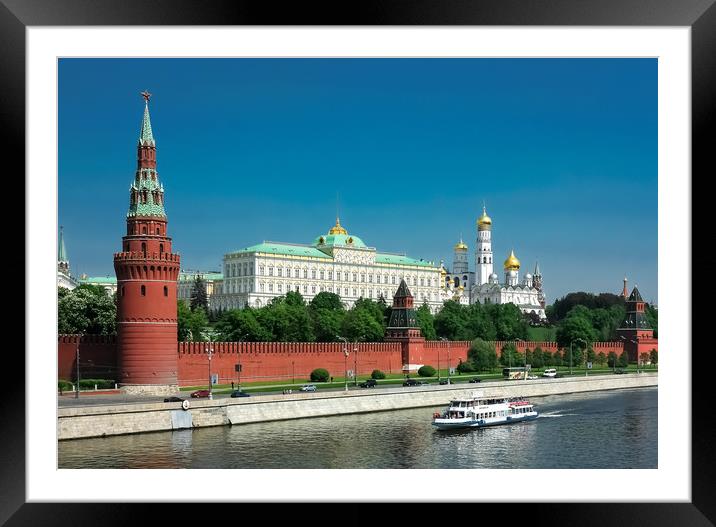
x: 394, y: 42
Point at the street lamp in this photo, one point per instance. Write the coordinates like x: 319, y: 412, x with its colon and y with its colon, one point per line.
x: 520, y: 340
x: 209, y: 351
x: 345, y: 360
x: 77, y: 360
x: 444, y: 339
x: 585, y: 353
x: 355, y: 364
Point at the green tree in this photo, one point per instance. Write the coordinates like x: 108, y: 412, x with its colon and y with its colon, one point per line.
x: 538, y: 358
x: 286, y: 318
x: 425, y: 321
x: 360, y: 325
x: 327, y: 313
x: 241, y: 325
x: 623, y: 360
x: 451, y: 321
x: 508, y: 321
x: 191, y: 325
x: 509, y: 355
x: 575, y: 327
x: 478, y: 323
x: 199, y: 298
x: 601, y: 358
x: 612, y: 359
x: 482, y: 355
x: 88, y: 310
x: 654, y: 356
x: 426, y: 371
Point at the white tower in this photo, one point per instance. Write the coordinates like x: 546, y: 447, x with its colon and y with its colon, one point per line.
x: 483, y: 249
x: 459, y: 261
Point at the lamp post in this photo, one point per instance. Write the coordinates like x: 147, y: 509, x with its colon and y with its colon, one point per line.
x: 448, y: 371
x: 209, y: 351
x: 520, y: 340
x: 355, y: 364
x: 238, y: 383
x: 77, y: 361
x: 585, y: 353
x: 345, y: 360
x: 570, y: 357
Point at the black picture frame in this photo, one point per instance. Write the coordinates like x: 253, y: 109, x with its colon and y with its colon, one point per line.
x: 699, y: 15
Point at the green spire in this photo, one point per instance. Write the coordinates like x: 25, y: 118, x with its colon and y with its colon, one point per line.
x: 61, y: 251
x: 145, y: 136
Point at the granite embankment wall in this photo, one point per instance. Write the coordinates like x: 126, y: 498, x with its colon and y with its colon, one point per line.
x: 277, y: 360
x: 97, y: 421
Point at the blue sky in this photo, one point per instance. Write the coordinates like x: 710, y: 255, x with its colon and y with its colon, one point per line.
x: 563, y: 151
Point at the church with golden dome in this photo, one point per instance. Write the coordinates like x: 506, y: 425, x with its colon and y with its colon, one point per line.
x: 483, y: 285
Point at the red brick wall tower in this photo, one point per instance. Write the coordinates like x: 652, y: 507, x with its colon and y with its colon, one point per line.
x: 403, y: 327
x: 147, y: 273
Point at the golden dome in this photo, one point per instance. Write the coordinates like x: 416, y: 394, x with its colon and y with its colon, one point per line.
x: 512, y: 262
x: 484, y: 220
x: 460, y: 245
x: 337, y: 229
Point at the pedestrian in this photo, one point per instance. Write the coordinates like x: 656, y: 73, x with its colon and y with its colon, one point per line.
x: 331, y: 380
x: 232, y: 385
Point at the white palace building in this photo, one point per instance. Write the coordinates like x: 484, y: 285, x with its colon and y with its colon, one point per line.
x: 336, y: 262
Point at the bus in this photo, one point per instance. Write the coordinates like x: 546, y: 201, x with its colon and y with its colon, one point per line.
x: 519, y: 372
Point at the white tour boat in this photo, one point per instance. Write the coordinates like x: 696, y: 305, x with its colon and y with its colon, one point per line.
x: 477, y: 412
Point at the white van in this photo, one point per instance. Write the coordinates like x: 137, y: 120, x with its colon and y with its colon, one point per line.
x: 550, y: 372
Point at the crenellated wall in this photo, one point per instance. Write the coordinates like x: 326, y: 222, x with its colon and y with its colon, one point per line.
x: 281, y: 361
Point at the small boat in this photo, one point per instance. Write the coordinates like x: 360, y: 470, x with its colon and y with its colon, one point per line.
x: 478, y: 412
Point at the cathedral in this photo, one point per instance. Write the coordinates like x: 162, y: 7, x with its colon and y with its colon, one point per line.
x: 484, y: 284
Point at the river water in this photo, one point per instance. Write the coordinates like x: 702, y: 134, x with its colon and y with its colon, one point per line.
x: 609, y: 429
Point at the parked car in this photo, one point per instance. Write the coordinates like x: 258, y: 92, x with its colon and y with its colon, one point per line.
x: 308, y: 388
x: 619, y: 370
x: 550, y: 372
x: 173, y: 400
x: 369, y: 383
x: 443, y: 382
x: 411, y: 382
x: 200, y: 393
x: 475, y: 379
x: 239, y: 393
x: 531, y: 377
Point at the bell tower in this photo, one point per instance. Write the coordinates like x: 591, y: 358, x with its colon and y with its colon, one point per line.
x: 147, y: 272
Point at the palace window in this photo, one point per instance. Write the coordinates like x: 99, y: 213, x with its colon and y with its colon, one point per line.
x: 355, y: 277
x: 370, y: 278
x: 270, y: 270
x: 354, y: 291
x: 313, y: 273
x: 279, y: 271
x: 313, y: 289
x: 261, y: 287
x: 393, y: 280
x: 422, y: 281
x: 330, y: 275
x: 261, y: 270
x: 305, y: 274
x: 305, y: 289
x: 270, y: 288
x: 345, y: 291
x: 322, y: 277
x: 362, y: 277
x: 280, y: 288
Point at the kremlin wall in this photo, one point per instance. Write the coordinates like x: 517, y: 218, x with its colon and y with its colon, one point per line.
x: 279, y: 361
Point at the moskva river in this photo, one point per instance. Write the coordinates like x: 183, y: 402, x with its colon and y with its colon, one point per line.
x: 609, y: 429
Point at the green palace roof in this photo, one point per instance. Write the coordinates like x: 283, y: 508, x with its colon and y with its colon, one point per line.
x: 98, y: 280
x: 401, y: 260
x: 188, y: 275
x: 347, y: 240
x: 284, y: 249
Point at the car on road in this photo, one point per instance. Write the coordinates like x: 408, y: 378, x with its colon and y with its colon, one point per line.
x: 550, y: 372
x: 475, y: 379
x: 414, y: 382
x: 239, y: 393
x: 308, y: 388
x: 173, y: 400
x: 443, y: 382
x: 200, y: 393
x: 619, y: 370
x: 532, y: 377
x: 369, y: 383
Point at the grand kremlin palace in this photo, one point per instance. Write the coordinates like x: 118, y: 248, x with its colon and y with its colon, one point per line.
x: 336, y: 262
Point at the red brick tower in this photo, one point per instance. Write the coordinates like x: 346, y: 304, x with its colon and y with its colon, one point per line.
x: 403, y: 327
x: 147, y: 273
x: 638, y: 336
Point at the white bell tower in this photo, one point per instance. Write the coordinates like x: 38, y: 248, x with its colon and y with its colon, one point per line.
x: 483, y: 249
